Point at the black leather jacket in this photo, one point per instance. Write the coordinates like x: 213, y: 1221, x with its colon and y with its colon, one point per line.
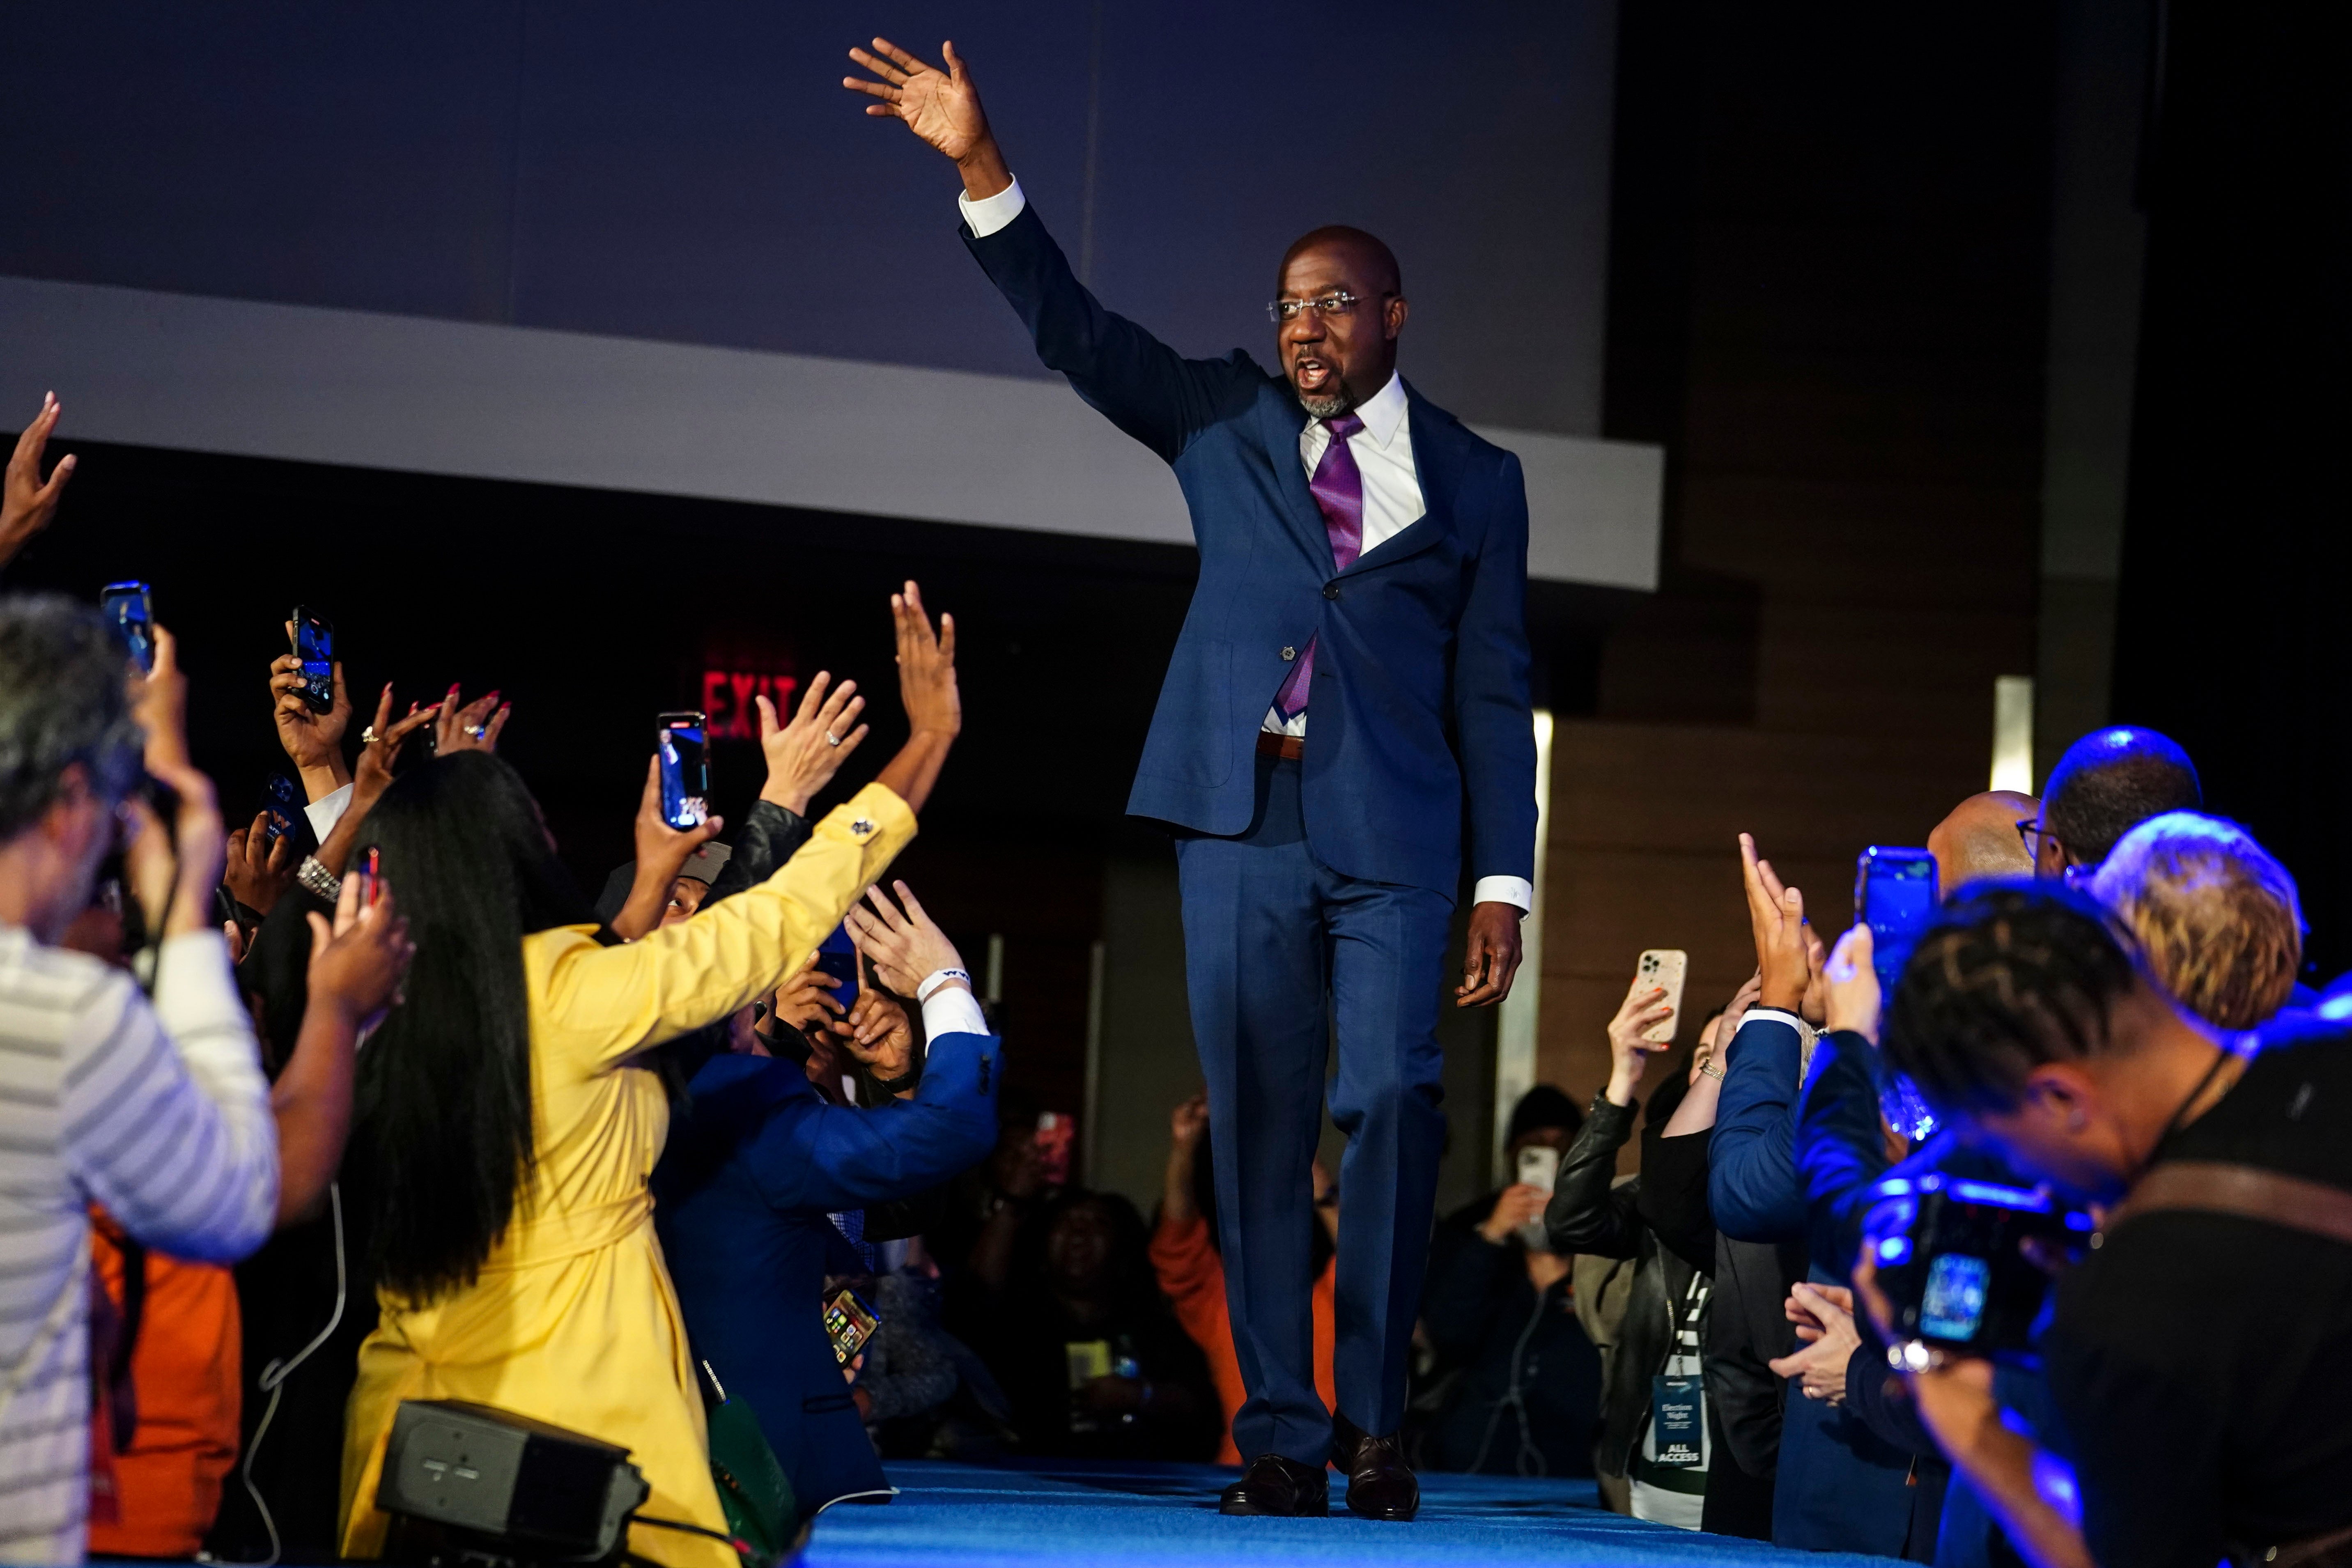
x: 1588, y: 1213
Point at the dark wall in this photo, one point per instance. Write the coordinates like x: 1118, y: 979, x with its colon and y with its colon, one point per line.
x: 2232, y: 626
x: 1828, y: 285
x: 696, y: 173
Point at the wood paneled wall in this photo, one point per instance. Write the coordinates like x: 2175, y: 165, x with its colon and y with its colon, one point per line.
x: 1828, y: 285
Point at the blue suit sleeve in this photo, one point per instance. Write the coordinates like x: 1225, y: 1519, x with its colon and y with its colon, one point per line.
x: 1839, y: 1149
x: 837, y: 1157
x: 1751, y: 1182
x: 1492, y: 716
x: 1130, y: 377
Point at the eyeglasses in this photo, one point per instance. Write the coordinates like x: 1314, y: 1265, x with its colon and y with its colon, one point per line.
x: 1338, y: 302
x: 2031, y: 832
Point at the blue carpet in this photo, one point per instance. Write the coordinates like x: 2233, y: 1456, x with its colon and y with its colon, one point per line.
x: 964, y: 1516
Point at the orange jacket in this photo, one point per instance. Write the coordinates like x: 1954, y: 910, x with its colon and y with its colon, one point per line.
x: 186, y: 1370
x: 1193, y: 1276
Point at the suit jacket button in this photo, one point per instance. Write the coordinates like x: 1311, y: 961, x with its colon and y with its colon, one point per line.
x: 1289, y: 653
x: 1330, y: 590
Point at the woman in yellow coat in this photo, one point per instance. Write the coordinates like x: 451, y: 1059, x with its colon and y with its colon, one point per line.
x: 510, y: 1119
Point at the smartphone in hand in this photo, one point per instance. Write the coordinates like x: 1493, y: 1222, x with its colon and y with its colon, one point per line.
x: 1893, y: 895
x: 129, y: 606
x: 280, y: 801
x: 849, y: 1323
x: 682, y: 744
x: 1057, y: 1137
x: 314, y: 644
x: 1664, y: 967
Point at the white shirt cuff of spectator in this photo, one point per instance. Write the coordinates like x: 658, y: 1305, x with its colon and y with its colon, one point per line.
x: 953, y: 1010
x: 1516, y: 891
x: 327, y: 811
x: 989, y: 214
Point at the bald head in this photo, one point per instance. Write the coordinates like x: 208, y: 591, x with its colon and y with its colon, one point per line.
x: 1367, y: 255
x: 1978, y: 840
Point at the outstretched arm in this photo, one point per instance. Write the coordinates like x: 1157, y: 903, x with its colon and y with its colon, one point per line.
x: 1140, y: 384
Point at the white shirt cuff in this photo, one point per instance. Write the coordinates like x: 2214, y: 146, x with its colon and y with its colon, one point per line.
x: 989, y: 214
x: 1517, y: 890
x: 327, y: 811
x: 953, y: 1010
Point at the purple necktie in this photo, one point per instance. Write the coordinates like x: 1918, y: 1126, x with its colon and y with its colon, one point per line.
x: 1339, y: 490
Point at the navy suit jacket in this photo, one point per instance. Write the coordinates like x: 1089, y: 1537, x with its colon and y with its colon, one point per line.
x: 741, y: 1196
x: 1420, y: 696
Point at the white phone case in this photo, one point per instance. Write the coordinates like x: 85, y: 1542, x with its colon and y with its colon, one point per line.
x: 1664, y: 967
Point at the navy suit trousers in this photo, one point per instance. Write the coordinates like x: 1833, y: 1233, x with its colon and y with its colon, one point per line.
x: 1279, y: 949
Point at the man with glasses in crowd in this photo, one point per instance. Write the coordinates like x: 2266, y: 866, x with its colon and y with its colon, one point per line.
x: 2107, y: 784
x: 1363, y: 555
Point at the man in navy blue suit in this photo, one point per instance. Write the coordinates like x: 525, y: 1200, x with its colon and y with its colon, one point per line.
x: 1363, y: 564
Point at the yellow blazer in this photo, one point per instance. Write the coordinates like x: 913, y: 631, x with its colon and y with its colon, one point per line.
x: 573, y: 1320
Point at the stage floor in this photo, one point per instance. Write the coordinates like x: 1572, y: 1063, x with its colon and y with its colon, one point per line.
x: 963, y: 1516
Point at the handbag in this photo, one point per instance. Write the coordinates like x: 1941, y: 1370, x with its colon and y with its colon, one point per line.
x: 754, y: 1493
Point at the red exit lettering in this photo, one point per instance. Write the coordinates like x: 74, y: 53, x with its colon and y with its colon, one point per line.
x: 729, y: 697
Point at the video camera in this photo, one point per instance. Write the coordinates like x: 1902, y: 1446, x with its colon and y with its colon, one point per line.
x: 1947, y: 1252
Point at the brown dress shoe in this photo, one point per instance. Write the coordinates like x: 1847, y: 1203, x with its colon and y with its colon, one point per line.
x: 1274, y: 1485
x: 1380, y: 1485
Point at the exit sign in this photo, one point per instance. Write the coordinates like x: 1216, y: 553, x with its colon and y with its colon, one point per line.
x: 727, y: 694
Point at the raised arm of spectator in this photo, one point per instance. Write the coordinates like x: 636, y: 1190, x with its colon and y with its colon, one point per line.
x: 1752, y: 1183
x: 1841, y: 1139
x: 26, y: 501
x: 168, y: 1113
x: 803, y: 757
x: 1587, y: 1213
x: 834, y: 1157
x: 357, y: 961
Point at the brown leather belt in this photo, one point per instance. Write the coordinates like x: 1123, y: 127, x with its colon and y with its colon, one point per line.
x: 1288, y: 747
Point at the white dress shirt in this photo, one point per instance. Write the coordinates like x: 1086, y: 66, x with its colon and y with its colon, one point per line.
x: 1384, y: 454
x: 328, y: 810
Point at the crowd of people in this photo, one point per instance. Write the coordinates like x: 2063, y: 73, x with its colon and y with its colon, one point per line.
x: 367, y: 1103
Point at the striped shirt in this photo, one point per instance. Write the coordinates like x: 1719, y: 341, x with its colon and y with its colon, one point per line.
x: 159, y: 1113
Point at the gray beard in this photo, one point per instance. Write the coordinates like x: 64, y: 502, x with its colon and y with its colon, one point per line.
x: 1330, y: 407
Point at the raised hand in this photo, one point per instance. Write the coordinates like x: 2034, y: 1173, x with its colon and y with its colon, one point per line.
x: 905, y: 947
x: 662, y: 851
x: 803, y: 756
x: 1776, y: 915
x: 942, y: 107
x: 880, y: 1033
x: 312, y: 741
x: 927, y: 685
x: 26, y: 504
x: 926, y: 676
x: 1629, y: 1053
x: 1517, y: 1206
x: 1189, y: 1122
x: 1850, y: 986
x: 160, y: 704
x: 259, y: 868
x: 472, y: 727
x: 380, y: 745
x: 358, y: 962
x: 807, y: 1001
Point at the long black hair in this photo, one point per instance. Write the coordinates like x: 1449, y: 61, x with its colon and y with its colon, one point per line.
x: 443, y: 1104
